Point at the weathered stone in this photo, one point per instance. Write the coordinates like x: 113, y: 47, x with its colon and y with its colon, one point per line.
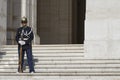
x: 3, y: 20
x: 102, y: 31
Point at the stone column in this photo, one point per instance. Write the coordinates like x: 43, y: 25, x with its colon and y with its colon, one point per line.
x: 9, y: 21
x: 34, y: 21
x: 3, y: 21
x: 29, y: 8
x: 102, y: 29
x: 23, y: 8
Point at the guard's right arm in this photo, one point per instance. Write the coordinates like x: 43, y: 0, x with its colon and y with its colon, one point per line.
x: 17, y: 35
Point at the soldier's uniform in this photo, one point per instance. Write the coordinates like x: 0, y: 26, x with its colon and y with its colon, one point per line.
x: 27, y: 37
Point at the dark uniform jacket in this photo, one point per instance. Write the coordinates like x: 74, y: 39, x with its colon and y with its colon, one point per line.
x: 26, y: 34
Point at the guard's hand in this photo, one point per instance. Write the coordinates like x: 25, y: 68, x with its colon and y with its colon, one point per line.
x: 21, y: 42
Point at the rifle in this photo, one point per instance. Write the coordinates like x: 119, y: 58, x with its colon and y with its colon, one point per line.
x: 20, y: 60
x: 20, y: 56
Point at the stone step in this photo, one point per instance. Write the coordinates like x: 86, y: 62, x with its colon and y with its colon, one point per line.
x: 66, y: 64
x: 63, y: 63
x: 101, y: 70
x: 42, y: 58
x: 63, y: 59
x: 59, y: 63
x: 60, y: 59
x: 53, y: 63
x: 10, y: 65
x: 51, y: 45
x: 57, y: 60
x: 71, y: 61
x: 35, y: 51
x: 64, y: 67
x: 47, y: 48
x: 39, y: 56
x: 60, y: 77
x: 47, y: 75
x: 47, y: 56
x: 44, y: 76
x: 48, y: 53
x: 70, y: 66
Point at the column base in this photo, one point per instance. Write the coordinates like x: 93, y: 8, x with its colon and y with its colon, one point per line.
x: 36, y: 40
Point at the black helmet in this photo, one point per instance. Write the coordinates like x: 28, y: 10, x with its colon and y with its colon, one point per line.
x: 24, y: 20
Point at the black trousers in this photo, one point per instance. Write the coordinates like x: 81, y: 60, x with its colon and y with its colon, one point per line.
x: 28, y: 52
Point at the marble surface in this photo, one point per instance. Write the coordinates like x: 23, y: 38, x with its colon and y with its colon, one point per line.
x: 102, y: 29
x: 3, y: 18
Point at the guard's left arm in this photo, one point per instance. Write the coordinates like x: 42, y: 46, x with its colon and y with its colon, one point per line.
x: 31, y: 37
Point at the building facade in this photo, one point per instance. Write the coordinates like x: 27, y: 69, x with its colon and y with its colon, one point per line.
x: 53, y: 21
x: 94, y: 23
x: 102, y: 29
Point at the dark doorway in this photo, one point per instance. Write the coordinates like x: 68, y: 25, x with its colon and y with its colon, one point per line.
x: 79, y: 9
x: 57, y: 23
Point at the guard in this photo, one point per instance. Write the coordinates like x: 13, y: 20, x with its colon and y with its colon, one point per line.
x: 24, y: 37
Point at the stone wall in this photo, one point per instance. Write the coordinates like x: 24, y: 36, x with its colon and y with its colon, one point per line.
x: 3, y: 20
x: 13, y: 19
x: 102, y: 29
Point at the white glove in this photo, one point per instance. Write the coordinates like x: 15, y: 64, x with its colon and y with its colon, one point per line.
x: 21, y: 42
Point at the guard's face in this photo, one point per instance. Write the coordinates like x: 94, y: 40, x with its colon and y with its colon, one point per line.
x: 24, y: 24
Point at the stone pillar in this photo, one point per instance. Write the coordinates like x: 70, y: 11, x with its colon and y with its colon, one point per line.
x: 34, y: 21
x: 29, y: 8
x: 102, y: 29
x: 23, y: 8
x: 9, y: 21
x: 3, y: 21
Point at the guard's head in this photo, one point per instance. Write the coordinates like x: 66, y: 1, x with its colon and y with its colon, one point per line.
x: 24, y: 20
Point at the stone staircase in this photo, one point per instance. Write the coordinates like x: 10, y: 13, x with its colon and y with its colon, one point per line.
x: 58, y: 62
